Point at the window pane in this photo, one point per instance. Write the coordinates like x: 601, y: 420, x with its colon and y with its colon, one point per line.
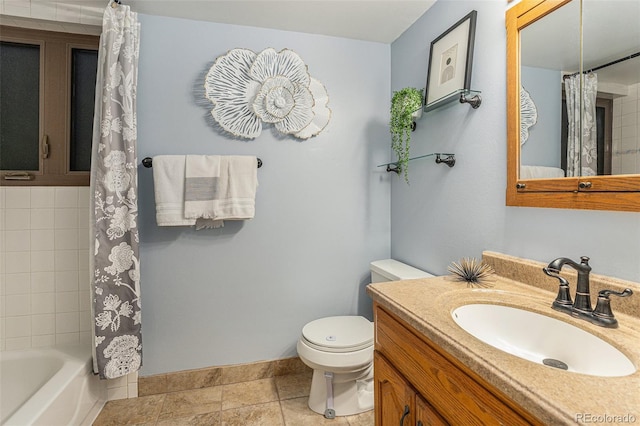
x: 19, y: 106
x: 83, y: 85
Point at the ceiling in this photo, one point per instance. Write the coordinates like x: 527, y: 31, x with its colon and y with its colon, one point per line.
x: 374, y: 20
x: 371, y: 20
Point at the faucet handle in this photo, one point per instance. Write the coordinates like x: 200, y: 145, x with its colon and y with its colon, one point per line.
x: 603, y: 306
x: 605, y: 293
x: 563, y: 300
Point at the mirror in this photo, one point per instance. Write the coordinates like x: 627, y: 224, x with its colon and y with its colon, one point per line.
x: 567, y: 150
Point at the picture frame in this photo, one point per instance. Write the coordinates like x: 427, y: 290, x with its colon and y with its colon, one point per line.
x: 451, y: 60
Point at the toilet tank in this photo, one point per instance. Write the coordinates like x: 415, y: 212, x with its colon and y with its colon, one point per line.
x: 392, y: 270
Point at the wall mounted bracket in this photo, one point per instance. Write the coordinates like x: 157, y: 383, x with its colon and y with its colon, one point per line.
x: 474, y: 101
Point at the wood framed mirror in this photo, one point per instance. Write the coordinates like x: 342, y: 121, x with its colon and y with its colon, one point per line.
x: 597, y: 168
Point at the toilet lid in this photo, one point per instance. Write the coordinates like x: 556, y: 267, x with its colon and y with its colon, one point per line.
x: 339, y: 334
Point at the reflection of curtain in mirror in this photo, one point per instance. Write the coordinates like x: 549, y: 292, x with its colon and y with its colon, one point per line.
x: 582, y: 159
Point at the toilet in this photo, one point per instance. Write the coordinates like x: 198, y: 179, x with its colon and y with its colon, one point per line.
x: 339, y: 349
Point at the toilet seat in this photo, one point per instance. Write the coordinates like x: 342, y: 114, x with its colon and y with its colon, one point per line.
x: 339, y: 334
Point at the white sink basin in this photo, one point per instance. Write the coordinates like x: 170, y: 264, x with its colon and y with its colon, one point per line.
x: 542, y: 339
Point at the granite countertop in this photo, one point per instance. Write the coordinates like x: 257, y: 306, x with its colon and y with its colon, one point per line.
x: 553, y: 396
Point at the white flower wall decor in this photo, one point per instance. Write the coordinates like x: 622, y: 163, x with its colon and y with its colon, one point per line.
x: 249, y: 89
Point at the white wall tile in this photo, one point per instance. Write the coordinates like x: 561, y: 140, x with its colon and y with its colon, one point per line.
x: 117, y: 393
x: 84, y: 299
x: 42, y: 324
x: 66, y: 219
x: 67, y: 338
x: 43, y: 303
x: 83, y: 260
x: 67, y: 322
x: 83, y: 238
x: 66, y: 281
x: 43, y: 10
x: 66, y: 197
x: 17, y: 326
x: 68, y: 12
x: 66, y: 239
x: 66, y: 260
x: 42, y: 282
x: 18, y: 197
x: 83, y: 191
x: 83, y: 218
x: 42, y: 219
x: 117, y: 382
x: 42, y: 197
x: 629, y: 107
x: 18, y: 240
x: 19, y: 261
x: 42, y: 239
x: 17, y: 305
x: 15, y: 219
x: 42, y: 261
x: 67, y: 302
x: 85, y: 321
x: 132, y: 390
x: 17, y: 343
x: 43, y: 341
x: 19, y: 283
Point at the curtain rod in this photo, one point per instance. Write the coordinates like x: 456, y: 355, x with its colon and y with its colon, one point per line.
x: 626, y: 58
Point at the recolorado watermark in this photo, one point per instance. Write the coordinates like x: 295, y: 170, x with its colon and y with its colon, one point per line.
x: 605, y: 418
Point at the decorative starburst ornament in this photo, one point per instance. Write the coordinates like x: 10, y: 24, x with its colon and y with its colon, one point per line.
x: 475, y: 272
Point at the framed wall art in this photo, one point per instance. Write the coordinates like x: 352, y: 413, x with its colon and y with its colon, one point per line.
x: 451, y: 59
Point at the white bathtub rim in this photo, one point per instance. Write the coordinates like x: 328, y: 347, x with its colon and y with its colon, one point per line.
x: 77, y: 360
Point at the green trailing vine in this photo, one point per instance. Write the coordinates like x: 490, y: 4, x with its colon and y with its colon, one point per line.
x: 403, y: 104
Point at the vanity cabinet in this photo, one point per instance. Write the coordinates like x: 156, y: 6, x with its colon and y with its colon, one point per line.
x: 416, y: 379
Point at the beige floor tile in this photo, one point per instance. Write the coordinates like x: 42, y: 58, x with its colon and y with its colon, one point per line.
x: 191, y: 402
x: 293, y: 385
x: 296, y: 412
x: 362, y: 419
x: 248, y: 393
x: 208, y: 419
x: 268, y: 414
x: 133, y: 411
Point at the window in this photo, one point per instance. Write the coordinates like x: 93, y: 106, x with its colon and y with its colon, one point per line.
x: 47, y: 93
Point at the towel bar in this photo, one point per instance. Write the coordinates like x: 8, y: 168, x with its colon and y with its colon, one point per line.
x: 148, y: 162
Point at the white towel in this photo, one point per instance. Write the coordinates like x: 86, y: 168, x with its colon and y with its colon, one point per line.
x: 220, y: 188
x: 168, y: 183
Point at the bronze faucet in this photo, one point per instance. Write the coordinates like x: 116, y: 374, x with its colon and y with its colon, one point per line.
x: 581, y: 308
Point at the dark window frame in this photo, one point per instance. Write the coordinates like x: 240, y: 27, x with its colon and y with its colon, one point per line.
x: 55, y: 104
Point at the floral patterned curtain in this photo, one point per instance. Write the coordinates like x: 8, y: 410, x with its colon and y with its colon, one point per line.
x: 582, y: 145
x: 114, y: 186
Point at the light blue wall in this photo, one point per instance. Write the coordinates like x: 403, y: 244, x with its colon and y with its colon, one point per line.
x: 243, y: 293
x: 545, y: 88
x: 446, y: 214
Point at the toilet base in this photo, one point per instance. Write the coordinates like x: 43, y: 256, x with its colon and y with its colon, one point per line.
x: 352, y: 392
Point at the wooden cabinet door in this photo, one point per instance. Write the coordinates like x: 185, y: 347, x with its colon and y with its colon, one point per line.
x: 394, y: 397
x: 426, y: 415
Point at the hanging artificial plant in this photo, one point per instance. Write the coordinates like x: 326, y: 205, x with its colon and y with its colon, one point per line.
x: 405, y: 105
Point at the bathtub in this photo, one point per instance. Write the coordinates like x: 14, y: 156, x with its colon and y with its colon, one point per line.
x: 49, y: 387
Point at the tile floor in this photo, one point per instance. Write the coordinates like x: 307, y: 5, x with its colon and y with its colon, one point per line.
x: 275, y: 401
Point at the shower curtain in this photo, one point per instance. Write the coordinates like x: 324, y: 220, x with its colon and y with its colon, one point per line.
x: 114, y: 265
x: 582, y: 146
